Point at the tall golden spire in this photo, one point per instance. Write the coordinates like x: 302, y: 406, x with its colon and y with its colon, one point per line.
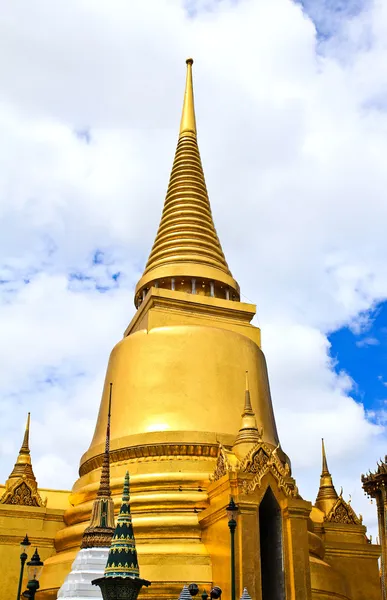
x: 186, y: 254
x: 188, y: 119
x: 104, y: 484
x: 248, y: 435
x: 325, y: 470
x: 100, y: 530
x: 21, y: 486
x: 24, y: 453
x: 327, y: 494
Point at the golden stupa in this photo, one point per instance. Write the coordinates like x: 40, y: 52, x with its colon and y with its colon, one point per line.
x: 193, y: 422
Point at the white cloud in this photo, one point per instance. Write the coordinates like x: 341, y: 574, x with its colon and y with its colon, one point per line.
x: 367, y: 341
x: 293, y: 138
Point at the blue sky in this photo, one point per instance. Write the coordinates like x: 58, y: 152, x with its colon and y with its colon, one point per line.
x: 363, y: 355
x: 292, y: 131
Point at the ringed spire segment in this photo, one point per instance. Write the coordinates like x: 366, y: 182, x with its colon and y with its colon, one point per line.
x: 187, y: 255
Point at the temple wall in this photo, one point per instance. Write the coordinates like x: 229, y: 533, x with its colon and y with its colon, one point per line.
x: 41, y: 525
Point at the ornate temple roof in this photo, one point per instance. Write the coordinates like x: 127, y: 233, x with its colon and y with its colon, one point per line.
x: 373, y: 483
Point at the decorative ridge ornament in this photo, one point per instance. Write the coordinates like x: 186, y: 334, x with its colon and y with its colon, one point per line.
x: 101, y: 527
x: 222, y: 464
x: 187, y: 248
x: 21, y: 487
x: 121, y: 580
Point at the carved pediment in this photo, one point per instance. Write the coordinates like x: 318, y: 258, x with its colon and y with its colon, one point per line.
x: 22, y: 493
x: 261, y: 460
x: 256, y: 460
x: 342, y: 512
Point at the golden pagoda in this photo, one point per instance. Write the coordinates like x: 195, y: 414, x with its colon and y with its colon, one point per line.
x: 193, y: 423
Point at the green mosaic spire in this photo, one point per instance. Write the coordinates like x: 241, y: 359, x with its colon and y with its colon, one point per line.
x: 122, y: 559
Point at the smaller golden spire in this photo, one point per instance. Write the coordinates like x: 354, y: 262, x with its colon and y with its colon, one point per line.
x: 24, y: 454
x: 325, y: 470
x: 188, y: 120
x: 104, y: 485
x: 21, y: 486
x: 248, y: 435
x: 100, y: 530
x: 327, y: 494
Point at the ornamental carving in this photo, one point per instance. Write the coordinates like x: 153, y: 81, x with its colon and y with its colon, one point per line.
x: 261, y: 460
x: 22, y: 493
x: 257, y: 462
x: 342, y: 512
x: 222, y: 465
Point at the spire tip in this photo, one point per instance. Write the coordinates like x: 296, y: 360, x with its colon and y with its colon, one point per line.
x: 188, y: 121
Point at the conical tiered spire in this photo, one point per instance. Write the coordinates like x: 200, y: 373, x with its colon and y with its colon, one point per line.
x: 21, y: 487
x: 248, y: 435
x: 245, y: 595
x: 327, y: 494
x: 101, y: 528
x: 184, y: 594
x: 187, y: 255
x: 122, y: 559
x: 121, y: 580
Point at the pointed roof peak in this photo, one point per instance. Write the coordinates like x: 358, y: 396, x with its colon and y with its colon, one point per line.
x: 25, y: 447
x: 126, y: 489
x: 248, y: 409
x: 100, y: 530
x: 21, y: 486
x: 122, y: 560
x: 248, y: 434
x: 188, y: 119
x: 104, y: 486
x: 325, y: 470
x: 327, y: 494
x: 187, y: 252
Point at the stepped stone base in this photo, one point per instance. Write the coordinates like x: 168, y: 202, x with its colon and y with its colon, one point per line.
x: 89, y: 564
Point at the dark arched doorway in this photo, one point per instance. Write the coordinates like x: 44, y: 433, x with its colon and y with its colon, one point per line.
x: 271, y: 548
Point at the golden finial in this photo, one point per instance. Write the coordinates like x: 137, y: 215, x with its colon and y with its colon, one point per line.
x: 104, y: 486
x: 248, y: 435
x: 188, y: 120
x: 325, y: 470
x: 327, y: 494
x: 248, y: 409
x: 24, y: 453
x: 101, y: 527
x: 22, y: 476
